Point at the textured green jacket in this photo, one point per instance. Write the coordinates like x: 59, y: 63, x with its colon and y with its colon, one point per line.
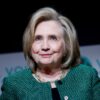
x: 81, y: 83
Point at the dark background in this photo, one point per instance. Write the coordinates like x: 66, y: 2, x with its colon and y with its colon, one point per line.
x: 14, y: 17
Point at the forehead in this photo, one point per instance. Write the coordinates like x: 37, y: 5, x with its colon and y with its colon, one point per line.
x: 49, y: 27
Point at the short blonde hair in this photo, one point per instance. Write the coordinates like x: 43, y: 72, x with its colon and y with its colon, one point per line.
x: 72, y: 57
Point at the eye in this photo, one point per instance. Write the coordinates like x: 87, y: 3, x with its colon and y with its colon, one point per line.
x: 53, y: 37
x: 38, y: 37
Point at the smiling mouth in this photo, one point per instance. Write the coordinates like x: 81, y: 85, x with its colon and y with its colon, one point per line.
x: 45, y: 55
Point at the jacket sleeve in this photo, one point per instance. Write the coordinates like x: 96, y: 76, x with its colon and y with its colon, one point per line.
x: 96, y: 85
x: 7, y: 91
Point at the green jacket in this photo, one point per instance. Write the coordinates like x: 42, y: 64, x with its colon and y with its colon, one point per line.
x: 81, y: 83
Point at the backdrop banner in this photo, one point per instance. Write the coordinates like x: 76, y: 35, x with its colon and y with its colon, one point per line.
x: 13, y: 62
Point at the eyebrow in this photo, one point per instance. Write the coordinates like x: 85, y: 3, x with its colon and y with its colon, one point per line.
x: 53, y: 35
x: 50, y: 35
x: 37, y: 35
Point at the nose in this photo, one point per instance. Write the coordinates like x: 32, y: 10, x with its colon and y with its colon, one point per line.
x: 45, y: 45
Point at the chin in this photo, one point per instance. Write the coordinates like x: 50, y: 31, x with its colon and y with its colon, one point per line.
x: 46, y: 62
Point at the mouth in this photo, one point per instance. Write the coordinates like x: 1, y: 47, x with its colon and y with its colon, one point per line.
x: 45, y: 55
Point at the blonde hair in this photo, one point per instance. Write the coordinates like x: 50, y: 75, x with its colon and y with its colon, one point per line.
x: 72, y: 52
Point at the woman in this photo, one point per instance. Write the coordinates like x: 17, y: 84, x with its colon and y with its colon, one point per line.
x: 55, y: 71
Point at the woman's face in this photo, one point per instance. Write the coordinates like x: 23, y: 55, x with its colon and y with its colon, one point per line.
x: 48, y: 45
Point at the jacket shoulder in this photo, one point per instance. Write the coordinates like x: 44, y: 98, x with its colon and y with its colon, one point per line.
x: 20, y: 74
x: 16, y: 78
x: 86, y: 68
x: 86, y: 71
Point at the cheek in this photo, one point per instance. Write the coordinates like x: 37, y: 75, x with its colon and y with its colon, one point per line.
x: 58, y: 47
x: 35, y: 49
x: 34, y: 52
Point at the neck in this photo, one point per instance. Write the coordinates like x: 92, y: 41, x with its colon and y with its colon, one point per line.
x: 51, y: 76
x: 49, y: 72
x: 49, y: 69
